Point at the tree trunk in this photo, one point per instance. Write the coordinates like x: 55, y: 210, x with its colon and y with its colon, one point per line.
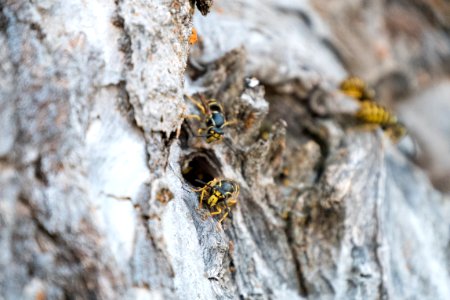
x: 98, y: 160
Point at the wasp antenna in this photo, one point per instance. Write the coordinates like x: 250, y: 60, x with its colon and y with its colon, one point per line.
x: 200, y: 181
x: 230, y: 146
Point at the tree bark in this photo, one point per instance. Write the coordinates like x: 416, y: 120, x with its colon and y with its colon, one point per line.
x: 98, y: 161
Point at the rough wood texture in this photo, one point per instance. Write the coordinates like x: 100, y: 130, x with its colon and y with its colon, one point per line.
x: 97, y: 163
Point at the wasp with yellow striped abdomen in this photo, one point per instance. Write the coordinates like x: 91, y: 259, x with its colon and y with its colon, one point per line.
x: 373, y: 113
x: 356, y: 87
x: 220, y: 194
x: 213, y: 117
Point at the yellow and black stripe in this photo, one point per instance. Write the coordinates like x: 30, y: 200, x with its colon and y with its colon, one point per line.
x: 355, y: 87
x: 373, y: 113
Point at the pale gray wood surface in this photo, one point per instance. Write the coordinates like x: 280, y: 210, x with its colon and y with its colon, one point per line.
x: 93, y: 200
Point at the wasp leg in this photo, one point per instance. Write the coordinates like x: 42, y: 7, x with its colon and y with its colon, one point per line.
x: 231, y: 202
x: 224, y: 216
x: 198, y: 104
x: 209, y: 184
x: 212, y: 182
x: 199, y: 189
x: 218, y: 211
x: 202, y: 195
x: 228, y: 123
x: 228, y: 203
x: 197, y: 117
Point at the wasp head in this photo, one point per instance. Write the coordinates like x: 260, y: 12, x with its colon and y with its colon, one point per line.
x: 228, y: 187
x: 396, y: 131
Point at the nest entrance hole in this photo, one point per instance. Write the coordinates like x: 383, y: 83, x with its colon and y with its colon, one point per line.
x: 200, y: 168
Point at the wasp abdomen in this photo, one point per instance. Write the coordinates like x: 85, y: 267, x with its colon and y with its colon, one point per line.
x: 371, y: 112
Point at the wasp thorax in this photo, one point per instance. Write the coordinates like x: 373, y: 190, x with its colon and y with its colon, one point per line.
x: 216, y: 119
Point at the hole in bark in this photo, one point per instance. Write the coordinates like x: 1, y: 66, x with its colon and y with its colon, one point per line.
x: 39, y: 172
x: 201, y: 166
x: 186, y: 133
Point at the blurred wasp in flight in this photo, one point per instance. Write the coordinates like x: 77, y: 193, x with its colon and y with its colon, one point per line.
x: 356, y: 88
x: 370, y: 112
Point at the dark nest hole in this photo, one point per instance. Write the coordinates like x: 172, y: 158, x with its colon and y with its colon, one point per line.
x: 200, y: 168
x: 185, y: 134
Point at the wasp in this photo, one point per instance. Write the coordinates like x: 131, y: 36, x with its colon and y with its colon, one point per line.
x: 203, y: 6
x: 356, y: 87
x: 220, y: 194
x: 214, y: 119
x: 373, y: 113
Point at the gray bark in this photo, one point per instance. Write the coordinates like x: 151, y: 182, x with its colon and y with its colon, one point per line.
x: 96, y: 197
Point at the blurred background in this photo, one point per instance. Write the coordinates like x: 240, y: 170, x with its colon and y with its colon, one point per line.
x: 401, y: 48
